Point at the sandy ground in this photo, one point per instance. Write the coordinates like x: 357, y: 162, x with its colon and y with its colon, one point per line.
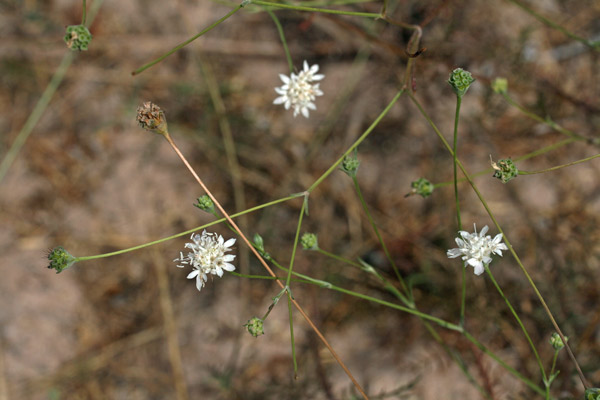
x: 89, y: 179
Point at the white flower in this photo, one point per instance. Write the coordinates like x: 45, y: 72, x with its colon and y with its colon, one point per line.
x: 207, y: 257
x: 298, y: 91
x: 476, y: 249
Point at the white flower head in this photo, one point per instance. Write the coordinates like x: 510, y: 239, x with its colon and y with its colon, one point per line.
x: 476, y: 248
x: 207, y: 256
x: 299, y: 90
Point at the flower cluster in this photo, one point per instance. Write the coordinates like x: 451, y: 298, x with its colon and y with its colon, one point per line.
x: 207, y: 257
x: 460, y: 80
x: 299, y: 90
x: 476, y: 248
x: 505, y: 169
x: 77, y: 37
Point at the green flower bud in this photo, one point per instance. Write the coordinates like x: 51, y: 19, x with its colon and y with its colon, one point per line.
x: 205, y: 203
x: 255, y: 327
x: 592, y: 394
x: 422, y: 187
x: 557, y: 342
x: 60, y: 259
x: 309, y: 241
x: 505, y: 169
x: 460, y: 80
x: 152, y: 118
x: 350, y: 164
x: 259, y: 245
x: 77, y: 37
x: 500, y: 85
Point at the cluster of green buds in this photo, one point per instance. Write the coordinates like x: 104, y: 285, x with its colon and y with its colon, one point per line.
x: 421, y: 187
x: 205, y: 203
x: 152, y: 118
x: 60, y: 259
x: 504, y: 169
x: 556, y: 341
x: 592, y: 394
x: 255, y: 327
x: 500, y: 85
x: 460, y: 80
x: 78, y: 37
x: 309, y: 241
x: 350, y: 164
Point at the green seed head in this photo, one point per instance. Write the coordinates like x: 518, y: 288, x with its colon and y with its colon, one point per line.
x: 309, y: 241
x: 500, y: 85
x: 205, y: 203
x: 255, y: 327
x: 505, y: 169
x: 422, y: 187
x: 77, y: 37
x: 60, y: 259
x: 350, y: 164
x: 592, y: 394
x: 460, y: 80
x: 557, y: 342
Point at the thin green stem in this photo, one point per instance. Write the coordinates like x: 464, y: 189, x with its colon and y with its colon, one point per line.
x: 554, y: 25
x: 288, y: 56
x: 454, y: 144
x: 141, y: 246
x: 293, y: 342
x: 507, y: 367
x: 463, y: 291
x: 313, y: 9
x: 514, y: 313
x: 84, y: 13
x: 296, y: 241
x: 527, y: 156
x: 42, y: 103
x: 558, y: 166
x: 508, y: 244
x: 545, y: 121
x: 339, y: 258
x: 36, y: 114
x: 190, y: 40
x: 414, y: 311
x: 357, y: 142
x: 379, y: 238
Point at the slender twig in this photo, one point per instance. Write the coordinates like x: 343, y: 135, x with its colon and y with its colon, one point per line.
x: 313, y: 9
x: 514, y: 313
x: 42, y: 103
x: 84, y: 13
x: 558, y: 166
x: 381, y: 241
x: 510, y: 247
x: 190, y: 40
x: 356, y: 143
x: 265, y: 265
x: 286, y: 50
x: 552, y: 24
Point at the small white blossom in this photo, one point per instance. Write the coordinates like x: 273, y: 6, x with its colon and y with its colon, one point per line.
x: 207, y: 257
x: 476, y: 248
x: 299, y: 91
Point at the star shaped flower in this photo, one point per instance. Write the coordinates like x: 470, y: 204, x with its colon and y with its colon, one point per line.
x: 299, y: 90
x: 476, y: 248
x: 207, y: 257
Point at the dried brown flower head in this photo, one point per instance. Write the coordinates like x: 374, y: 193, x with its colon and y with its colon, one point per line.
x: 152, y: 118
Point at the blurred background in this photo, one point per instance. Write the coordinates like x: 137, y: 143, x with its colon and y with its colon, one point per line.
x: 89, y: 179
